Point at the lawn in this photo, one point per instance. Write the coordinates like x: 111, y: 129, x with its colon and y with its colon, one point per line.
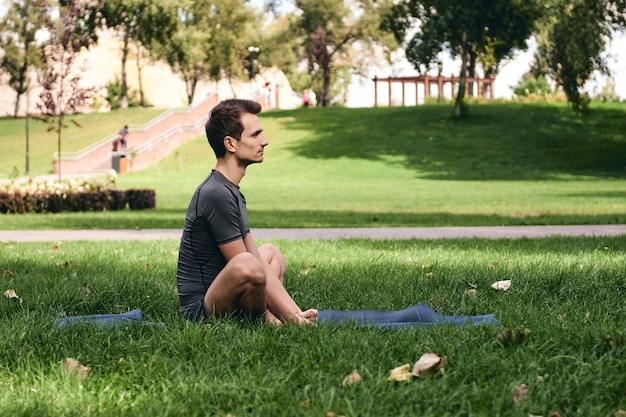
x: 568, y: 292
x: 508, y: 164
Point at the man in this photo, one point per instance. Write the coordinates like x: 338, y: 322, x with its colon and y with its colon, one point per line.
x: 220, y: 268
x: 122, y: 137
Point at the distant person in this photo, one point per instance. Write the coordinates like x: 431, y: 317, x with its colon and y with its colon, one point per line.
x: 122, y: 137
x: 220, y: 268
x: 305, y: 97
x: 270, y: 96
x: 312, y: 98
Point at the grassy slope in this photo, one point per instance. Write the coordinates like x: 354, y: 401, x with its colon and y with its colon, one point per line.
x: 506, y: 164
x: 87, y: 129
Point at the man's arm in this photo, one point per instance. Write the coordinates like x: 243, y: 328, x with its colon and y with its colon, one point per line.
x: 278, y: 300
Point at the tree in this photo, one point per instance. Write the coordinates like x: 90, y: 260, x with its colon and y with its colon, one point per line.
x: 149, y: 23
x: 212, y: 41
x: 578, y: 38
x: 328, y: 28
x: 62, y: 93
x: 278, y: 46
x: 470, y: 30
x: 571, y: 39
x: 17, y: 37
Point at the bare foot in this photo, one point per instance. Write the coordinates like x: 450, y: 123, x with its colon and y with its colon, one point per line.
x: 309, y: 316
x: 272, y: 319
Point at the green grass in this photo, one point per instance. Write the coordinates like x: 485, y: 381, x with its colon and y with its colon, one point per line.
x: 569, y: 292
x: 508, y: 164
x: 87, y: 129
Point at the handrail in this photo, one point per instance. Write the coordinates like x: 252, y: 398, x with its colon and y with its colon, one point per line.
x: 146, y: 146
x: 72, y: 156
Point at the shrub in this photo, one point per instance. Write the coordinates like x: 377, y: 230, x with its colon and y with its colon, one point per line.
x: 114, y: 95
x: 140, y: 199
x: 529, y: 86
x: 37, y: 196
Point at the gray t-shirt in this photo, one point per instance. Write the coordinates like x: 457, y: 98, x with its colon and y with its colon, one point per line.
x: 216, y: 215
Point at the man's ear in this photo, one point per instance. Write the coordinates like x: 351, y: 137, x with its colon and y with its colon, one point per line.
x: 229, y: 143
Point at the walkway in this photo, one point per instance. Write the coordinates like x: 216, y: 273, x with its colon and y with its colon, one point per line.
x: 490, y: 232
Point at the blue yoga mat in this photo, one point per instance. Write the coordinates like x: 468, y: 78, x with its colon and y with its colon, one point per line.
x: 418, y: 315
x: 130, y: 317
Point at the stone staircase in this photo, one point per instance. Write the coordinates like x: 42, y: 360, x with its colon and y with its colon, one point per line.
x: 148, y: 143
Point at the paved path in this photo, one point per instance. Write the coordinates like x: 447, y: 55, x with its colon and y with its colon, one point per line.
x: 491, y: 232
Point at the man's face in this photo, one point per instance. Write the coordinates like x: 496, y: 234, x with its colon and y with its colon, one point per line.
x: 249, y: 150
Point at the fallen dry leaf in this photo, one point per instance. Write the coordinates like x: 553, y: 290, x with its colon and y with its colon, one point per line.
x: 146, y: 266
x: 400, y: 374
x: 74, y: 367
x: 6, y: 273
x: 519, y: 393
x: 555, y: 414
x: 352, y: 378
x: 12, y: 294
x: 611, y: 343
x: 307, y: 269
x: 620, y: 413
x: 502, y: 285
x: 506, y: 337
x: 429, y: 362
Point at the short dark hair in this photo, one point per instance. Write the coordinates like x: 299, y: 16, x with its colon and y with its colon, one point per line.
x: 225, y: 120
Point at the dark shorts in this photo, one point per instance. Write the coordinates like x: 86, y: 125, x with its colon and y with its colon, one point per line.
x: 194, y: 311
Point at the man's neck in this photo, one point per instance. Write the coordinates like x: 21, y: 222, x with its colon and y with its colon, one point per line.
x: 233, y: 173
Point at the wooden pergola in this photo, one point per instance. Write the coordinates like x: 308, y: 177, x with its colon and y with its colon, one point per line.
x: 428, y: 81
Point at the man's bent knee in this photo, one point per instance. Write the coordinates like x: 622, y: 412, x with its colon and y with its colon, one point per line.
x: 248, y: 268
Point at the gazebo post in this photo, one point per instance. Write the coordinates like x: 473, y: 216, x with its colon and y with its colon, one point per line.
x: 375, y: 91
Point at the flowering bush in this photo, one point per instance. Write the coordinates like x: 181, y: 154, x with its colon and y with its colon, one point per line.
x: 40, y: 196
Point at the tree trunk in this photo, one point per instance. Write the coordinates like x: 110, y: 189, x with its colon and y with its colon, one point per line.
x: 59, y: 127
x: 326, y: 72
x: 142, y: 101
x: 124, y: 98
x: 17, y: 105
x: 230, y: 83
x: 459, y: 104
x: 471, y: 71
x: 190, y: 86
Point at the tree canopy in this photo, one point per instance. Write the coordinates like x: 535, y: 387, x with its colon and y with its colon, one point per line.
x: 329, y: 28
x: 18, y: 31
x: 572, y: 37
x: 150, y: 23
x: 211, y: 41
x: 61, y: 92
x: 469, y: 30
